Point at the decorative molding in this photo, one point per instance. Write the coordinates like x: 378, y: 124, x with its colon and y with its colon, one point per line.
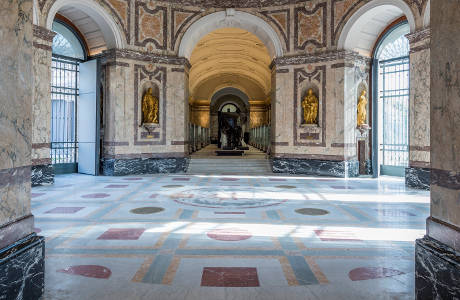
x: 43, y: 33
x: 15, y: 230
x: 280, y: 144
x: 419, y: 164
x: 42, y: 46
x: 116, y: 54
x: 310, y: 156
x: 443, y: 232
x: 177, y: 28
x: 321, y: 40
x: 161, y: 43
x: 115, y: 144
x: 320, y: 57
x: 41, y: 145
x: 178, y: 70
x: 116, y: 64
x: 41, y: 161
x: 418, y: 36
x: 285, y: 29
x: 158, y: 75
x: 446, y: 179
x: 146, y: 155
x: 319, y: 75
x: 419, y: 148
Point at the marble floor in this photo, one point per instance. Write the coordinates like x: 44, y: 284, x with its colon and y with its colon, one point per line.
x: 229, y: 237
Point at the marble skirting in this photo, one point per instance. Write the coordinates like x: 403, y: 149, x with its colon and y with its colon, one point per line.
x: 316, y: 167
x: 437, y: 270
x: 418, y: 178
x: 22, y: 269
x: 42, y: 175
x: 138, y: 166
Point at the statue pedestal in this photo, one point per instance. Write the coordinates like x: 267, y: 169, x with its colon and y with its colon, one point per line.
x: 363, y: 131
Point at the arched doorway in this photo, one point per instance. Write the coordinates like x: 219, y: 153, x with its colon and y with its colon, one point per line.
x: 68, y: 52
x: 229, y: 71
x: 391, y: 100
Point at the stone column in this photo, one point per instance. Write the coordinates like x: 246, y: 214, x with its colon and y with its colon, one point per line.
x: 42, y: 169
x: 21, y: 250
x: 437, y: 259
x: 418, y: 172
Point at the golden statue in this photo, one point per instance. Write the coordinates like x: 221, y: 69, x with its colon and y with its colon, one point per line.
x: 310, y: 106
x: 362, y: 110
x: 149, y: 107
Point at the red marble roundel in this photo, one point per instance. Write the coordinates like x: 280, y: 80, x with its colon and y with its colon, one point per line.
x: 366, y: 273
x: 229, y: 234
x: 93, y: 271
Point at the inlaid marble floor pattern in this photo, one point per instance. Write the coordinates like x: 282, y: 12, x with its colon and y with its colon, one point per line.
x: 229, y: 237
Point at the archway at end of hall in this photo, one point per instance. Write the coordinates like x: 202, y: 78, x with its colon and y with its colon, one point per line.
x: 230, y: 86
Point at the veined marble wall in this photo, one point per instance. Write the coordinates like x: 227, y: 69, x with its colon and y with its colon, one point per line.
x: 128, y: 75
x: 42, y: 169
x: 21, y: 271
x: 437, y: 259
x: 418, y: 174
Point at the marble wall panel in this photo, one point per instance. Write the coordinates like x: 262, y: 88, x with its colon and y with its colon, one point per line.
x: 445, y: 112
x: 16, y: 94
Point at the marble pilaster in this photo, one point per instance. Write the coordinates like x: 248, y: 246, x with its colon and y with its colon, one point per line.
x: 417, y: 174
x: 42, y: 169
x: 128, y: 74
x: 21, y: 251
x: 437, y: 258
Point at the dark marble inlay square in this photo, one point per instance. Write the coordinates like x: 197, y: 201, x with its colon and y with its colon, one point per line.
x: 122, y: 234
x: 64, y: 210
x: 230, y: 277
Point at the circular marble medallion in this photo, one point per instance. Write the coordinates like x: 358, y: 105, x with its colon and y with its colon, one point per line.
x: 308, y: 211
x: 227, y: 197
x: 146, y: 210
x: 229, y: 234
x: 286, y: 187
x: 366, y: 273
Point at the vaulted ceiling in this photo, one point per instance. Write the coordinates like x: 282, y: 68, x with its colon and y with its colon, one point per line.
x: 230, y: 57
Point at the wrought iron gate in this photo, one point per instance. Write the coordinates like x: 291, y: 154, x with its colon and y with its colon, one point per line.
x: 64, y: 94
x: 394, y: 98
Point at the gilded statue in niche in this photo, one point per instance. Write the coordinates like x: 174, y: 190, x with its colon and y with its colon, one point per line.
x: 150, y: 105
x: 310, y: 106
x: 362, y: 109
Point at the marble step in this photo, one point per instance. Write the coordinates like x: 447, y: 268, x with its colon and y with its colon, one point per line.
x: 236, y: 166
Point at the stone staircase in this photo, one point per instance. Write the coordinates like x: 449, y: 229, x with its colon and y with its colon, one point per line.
x: 229, y: 166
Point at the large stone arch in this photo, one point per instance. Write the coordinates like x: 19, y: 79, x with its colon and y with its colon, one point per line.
x: 362, y: 29
x: 112, y: 32
x: 231, y: 18
x: 230, y: 91
x: 426, y: 15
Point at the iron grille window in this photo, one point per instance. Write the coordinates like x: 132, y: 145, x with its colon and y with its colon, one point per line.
x: 394, y: 97
x: 64, y: 95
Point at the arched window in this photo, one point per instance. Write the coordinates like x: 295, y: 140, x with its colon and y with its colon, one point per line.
x: 68, y: 53
x: 66, y: 42
x: 392, y: 85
